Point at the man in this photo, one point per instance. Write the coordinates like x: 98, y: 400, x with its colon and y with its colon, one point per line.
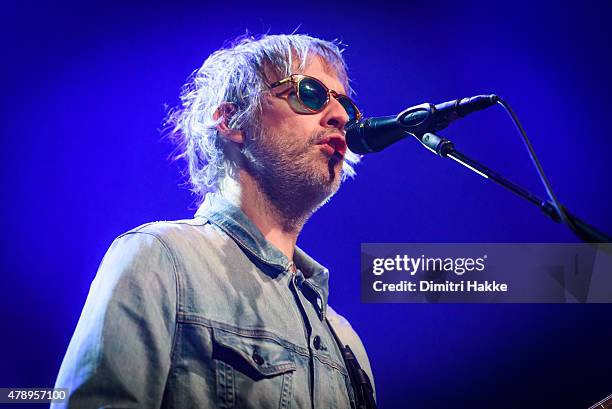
x: 224, y: 310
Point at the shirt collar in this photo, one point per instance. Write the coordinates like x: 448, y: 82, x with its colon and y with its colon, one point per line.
x: 237, y: 225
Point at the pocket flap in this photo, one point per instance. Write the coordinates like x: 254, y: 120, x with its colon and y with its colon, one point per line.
x: 265, y: 355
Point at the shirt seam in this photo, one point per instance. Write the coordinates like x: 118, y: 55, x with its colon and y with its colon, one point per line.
x: 177, y: 308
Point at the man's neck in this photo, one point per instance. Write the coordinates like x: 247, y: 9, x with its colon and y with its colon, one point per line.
x: 265, y: 215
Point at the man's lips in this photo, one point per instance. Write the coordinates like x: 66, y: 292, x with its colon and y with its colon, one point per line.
x: 336, y: 143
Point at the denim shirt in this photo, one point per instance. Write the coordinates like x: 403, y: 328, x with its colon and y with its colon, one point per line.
x: 205, y: 313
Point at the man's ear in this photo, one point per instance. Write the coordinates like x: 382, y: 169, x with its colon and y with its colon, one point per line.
x: 223, y: 114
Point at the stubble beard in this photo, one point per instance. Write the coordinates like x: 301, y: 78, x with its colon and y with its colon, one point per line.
x: 296, y: 178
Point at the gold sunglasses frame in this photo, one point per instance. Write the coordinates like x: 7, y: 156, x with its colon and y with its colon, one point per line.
x: 295, y: 80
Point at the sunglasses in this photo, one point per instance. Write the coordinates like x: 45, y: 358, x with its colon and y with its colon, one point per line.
x: 313, y: 95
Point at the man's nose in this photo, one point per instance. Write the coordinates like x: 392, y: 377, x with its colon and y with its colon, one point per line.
x: 334, y: 115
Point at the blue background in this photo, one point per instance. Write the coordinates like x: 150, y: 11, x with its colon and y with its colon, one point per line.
x: 84, y: 89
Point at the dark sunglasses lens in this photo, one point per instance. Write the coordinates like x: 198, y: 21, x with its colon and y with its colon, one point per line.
x: 312, y: 94
x: 350, y: 108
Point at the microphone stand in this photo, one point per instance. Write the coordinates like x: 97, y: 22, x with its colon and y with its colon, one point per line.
x: 446, y: 149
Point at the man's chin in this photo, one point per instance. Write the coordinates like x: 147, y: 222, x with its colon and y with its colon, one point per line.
x: 330, y: 186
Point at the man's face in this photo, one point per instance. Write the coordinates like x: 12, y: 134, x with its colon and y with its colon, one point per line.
x: 299, y: 156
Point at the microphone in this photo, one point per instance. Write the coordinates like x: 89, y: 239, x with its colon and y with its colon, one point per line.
x: 371, y: 135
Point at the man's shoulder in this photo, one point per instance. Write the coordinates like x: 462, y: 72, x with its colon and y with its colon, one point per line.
x: 170, y: 232
x: 343, y: 329
x: 193, y: 243
x: 171, y: 237
x: 179, y: 246
x: 337, y: 320
x: 167, y: 227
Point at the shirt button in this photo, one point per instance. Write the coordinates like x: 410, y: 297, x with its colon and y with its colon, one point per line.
x: 316, y: 342
x: 257, y: 358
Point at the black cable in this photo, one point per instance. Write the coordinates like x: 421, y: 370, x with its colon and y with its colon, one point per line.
x: 534, y: 159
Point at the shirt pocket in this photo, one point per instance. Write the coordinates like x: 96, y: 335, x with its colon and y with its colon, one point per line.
x: 252, y: 371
